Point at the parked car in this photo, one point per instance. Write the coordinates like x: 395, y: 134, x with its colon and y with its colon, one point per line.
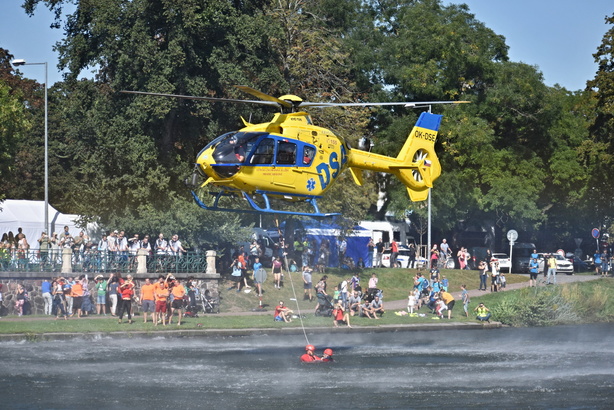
x: 402, y: 258
x: 578, y: 264
x: 505, y: 263
x: 562, y: 265
x: 521, y: 256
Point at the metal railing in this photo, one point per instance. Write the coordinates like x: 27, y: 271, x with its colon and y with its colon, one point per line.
x: 100, y: 262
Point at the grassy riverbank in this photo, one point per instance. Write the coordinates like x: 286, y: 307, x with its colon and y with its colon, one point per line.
x: 582, y: 302
x: 395, y: 284
x: 562, y: 304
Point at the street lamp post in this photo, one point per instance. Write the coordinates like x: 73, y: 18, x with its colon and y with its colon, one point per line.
x: 20, y: 62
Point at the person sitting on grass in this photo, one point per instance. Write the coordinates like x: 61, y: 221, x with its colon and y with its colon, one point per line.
x: 340, y: 316
x: 282, y: 313
x: 365, y: 310
x: 354, y: 303
x: 483, y: 313
x: 377, y: 307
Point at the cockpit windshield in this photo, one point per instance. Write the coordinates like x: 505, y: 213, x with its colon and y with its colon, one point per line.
x: 234, y: 147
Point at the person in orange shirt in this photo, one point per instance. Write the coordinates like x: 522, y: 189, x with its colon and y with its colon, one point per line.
x: 178, y: 292
x: 161, y: 294
x: 148, y: 300
x: 76, y: 291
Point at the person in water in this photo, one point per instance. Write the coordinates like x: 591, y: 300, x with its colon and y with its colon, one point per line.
x: 328, y: 355
x: 309, y: 355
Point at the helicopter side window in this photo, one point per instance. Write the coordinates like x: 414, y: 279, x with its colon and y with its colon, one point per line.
x: 308, y: 154
x: 286, y: 153
x: 264, y: 152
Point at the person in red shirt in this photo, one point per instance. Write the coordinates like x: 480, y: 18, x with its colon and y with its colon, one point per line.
x: 282, y: 313
x: 340, y: 315
x: 309, y: 355
x: 394, y: 253
x: 126, y: 291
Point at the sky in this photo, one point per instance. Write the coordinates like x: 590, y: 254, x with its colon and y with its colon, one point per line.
x: 558, y: 36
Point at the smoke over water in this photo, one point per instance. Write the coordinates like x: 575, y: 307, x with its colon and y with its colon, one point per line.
x: 562, y: 367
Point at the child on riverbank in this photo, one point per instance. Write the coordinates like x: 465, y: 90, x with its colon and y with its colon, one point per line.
x: 411, y: 302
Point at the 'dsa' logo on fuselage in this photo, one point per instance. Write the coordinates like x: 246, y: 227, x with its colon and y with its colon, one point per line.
x: 328, y: 171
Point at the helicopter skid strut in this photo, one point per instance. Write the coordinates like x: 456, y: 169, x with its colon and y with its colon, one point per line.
x: 257, y: 209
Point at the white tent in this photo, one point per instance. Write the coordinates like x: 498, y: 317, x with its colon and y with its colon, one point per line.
x: 30, y: 217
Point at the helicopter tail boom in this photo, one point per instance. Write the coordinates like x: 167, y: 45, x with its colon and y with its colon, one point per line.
x: 416, y: 166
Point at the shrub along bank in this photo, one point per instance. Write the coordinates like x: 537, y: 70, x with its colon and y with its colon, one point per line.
x: 573, y: 303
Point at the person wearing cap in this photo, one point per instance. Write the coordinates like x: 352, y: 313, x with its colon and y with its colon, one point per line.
x: 327, y: 355
x: 282, y: 313
x: 309, y: 355
x: 101, y: 294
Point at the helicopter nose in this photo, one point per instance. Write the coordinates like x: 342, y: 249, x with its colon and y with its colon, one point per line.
x: 196, y: 179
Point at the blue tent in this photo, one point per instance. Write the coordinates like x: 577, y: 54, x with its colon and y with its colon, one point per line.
x: 357, y: 241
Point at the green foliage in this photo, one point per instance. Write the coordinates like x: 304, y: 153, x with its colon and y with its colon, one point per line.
x: 599, y: 152
x: 521, y: 155
x: 13, y: 125
x: 571, y: 303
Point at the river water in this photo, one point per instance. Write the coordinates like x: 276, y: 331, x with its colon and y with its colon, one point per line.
x: 560, y: 367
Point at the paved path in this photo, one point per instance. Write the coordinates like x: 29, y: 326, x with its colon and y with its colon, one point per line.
x: 560, y: 279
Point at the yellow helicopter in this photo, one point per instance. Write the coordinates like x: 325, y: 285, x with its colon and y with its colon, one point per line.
x: 292, y: 159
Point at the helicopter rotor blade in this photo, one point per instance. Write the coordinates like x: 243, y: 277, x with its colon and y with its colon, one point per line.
x: 264, y: 96
x: 192, y: 97
x: 415, y: 104
x: 269, y: 100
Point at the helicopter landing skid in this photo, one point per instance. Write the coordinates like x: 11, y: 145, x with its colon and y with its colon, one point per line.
x: 256, y: 209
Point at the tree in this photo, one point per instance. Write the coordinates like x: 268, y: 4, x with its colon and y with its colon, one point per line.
x: 599, y: 152
x: 124, y: 158
x: 15, y: 125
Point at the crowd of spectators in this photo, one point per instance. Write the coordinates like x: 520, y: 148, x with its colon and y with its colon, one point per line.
x: 111, y: 250
x: 80, y: 296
